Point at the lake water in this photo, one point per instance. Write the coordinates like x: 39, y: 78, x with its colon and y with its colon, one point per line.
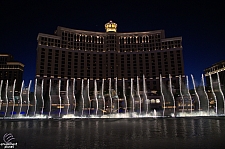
x: 160, y: 133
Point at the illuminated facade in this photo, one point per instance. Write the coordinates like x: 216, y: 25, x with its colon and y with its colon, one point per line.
x: 71, y: 53
x: 216, y: 87
x: 217, y: 69
x: 11, y: 70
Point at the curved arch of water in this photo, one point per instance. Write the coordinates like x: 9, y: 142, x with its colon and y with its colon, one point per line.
x: 189, y: 92
x: 211, y: 84
x: 118, y: 102
x: 67, y: 96
x: 6, y: 97
x: 199, y: 103
x: 182, y: 97
x: 110, y: 96
x: 21, y: 98
x: 124, y: 95
x: 163, y: 97
x: 42, y: 98
x: 203, y: 83
x: 13, y: 96
x: 171, y: 91
x: 89, y: 99
x: 60, y: 100
x: 35, y: 97
x: 82, y: 96
x: 50, y: 97
x: 28, y: 97
x: 1, y: 94
x: 131, y: 92
x: 103, y: 98
x: 138, y: 93
x: 96, y: 97
x: 221, y: 92
x: 145, y: 94
x: 74, y: 98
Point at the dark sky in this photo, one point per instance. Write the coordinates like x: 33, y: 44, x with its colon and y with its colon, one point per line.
x: 200, y: 23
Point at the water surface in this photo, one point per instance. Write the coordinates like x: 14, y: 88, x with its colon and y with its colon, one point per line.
x: 205, y: 132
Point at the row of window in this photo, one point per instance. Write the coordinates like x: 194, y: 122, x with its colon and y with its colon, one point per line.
x: 10, y: 66
x: 89, y: 38
x: 82, y: 43
x: 160, y: 55
x: 219, y: 66
x: 81, y: 63
x: 114, y: 58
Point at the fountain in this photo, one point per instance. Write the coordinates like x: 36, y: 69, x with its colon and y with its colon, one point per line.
x: 96, y: 98
x: 6, y: 97
x: 124, y: 95
x: 203, y: 83
x: 50, y: 98
x: 67, y: 97
x: 1, y: 94
x: 116, y: 97
x: 182, y: 97
x: 60, y: 100
x: 196, y: 92
x: 163, y: 98
x: 82, y: 96
x: 189, y: 93
x: 135, y: 103
x: 89, y: 99
x: 145, y: 94
x: 13, y: 96
x: 103, y: 98
x: 221, y: 92
x: 73, y: 92
x: 131, y: 91
x: 139, y: 97
x: 212, y: 88
x: 171, y: 91
x: 35, y: 97
x: 110, y: 95
x: 28, y: 98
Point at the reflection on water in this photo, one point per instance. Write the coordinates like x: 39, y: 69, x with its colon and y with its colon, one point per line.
x: 117, y: 133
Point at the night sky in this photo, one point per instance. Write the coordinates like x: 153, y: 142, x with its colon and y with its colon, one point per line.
x: 200, y: 23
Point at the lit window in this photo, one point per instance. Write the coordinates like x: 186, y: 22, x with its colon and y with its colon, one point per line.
x: 157, y: 101
x: 152, y: 100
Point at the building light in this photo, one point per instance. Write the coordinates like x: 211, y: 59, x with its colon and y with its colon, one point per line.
x: 157, y: 101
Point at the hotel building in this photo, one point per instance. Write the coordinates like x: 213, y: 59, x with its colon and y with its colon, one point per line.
x: 79, y: 54
x: 216, y: 70
x: 216, y: 85
x: 10, y: 70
